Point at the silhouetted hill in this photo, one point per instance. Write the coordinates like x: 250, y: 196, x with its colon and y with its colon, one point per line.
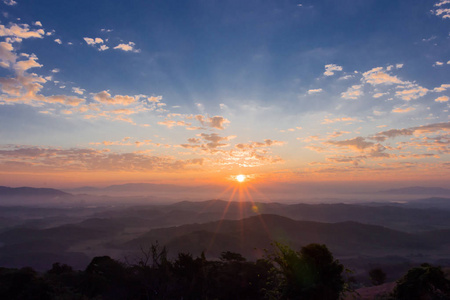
x: 433, y: 202
x: 29, y: 191
x: 400, y: 217
x: 249, y: 236
x: 33, y: 196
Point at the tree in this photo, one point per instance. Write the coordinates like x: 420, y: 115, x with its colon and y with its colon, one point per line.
x: 377, y: 276
x: 424, y: 282
x: 312, y: 273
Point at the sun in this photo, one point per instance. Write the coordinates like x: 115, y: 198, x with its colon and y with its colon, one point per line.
x: 240, y: 178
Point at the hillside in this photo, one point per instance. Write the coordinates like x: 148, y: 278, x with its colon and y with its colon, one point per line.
x: 251, y: 235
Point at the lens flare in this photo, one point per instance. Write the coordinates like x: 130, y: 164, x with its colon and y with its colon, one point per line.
x: 240, y: 178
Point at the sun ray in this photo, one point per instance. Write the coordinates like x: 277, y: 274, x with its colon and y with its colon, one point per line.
x: 222, y: 217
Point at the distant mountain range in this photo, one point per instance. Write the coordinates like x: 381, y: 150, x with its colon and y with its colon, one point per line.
x: 251, y: 235
x: 29, y: 191
x: 418, y: 190
x: 361, y: 233
x: 143, y: 189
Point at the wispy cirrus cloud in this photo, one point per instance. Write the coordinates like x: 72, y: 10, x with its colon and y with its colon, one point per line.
x: 343, y: 119
x: 314, y: 91
x: 402, y: 110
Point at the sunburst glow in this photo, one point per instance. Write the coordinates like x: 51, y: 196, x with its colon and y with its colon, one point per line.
x: 240, y: 178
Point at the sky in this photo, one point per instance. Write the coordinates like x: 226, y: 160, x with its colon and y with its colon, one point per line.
x: 197, y: 92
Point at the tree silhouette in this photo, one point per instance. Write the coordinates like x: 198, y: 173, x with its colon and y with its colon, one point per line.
x: 312, y: 273
x: 424, y: 282
x: 377, y: 276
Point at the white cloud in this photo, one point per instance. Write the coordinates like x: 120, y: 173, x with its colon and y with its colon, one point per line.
x: 58, y: 41
x: 377, y: 76
x: 345, y: 77
x: 55, y: 71
x: 443, y: 12
x: 103, y: 48
x: 438, y: 63
x: 442, y: 99
x: 344, y: 119
x: 217, y: 122
x: 7, y: 56
x: 38, y: 23
x: 91, y: 41
x: 331, y: 68
x: 442, y: 88
x: 442, y: 2
x: 127, y: 47
x: 10, y: 2
x: 403, y: 110
x: 353, y: 92
x: 412, y: 92
x: 155, y: 99
x: 378, y: 95
x: 78, y: 90
x: 314, y: 91
x: 24, y: 65
x: 21, y: 31
x: 105, y: 97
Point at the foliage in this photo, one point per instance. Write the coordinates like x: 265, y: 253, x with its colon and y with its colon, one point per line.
x: 311, y: 273
x: 377, y: 276
x: 424, y: 282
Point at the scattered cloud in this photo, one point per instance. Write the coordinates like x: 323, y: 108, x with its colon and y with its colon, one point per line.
x: 10, y: 2
x: 266, y: 143
x: 442, y: 88
x: 345, y: 119
x: 378, y: 76
x: 314, y: 91
x: 105, y: 97
x: 78, y: 90
x: 28, y: 158
x: 154, y: 99
x: 378, y: 95
x: 442, y: 99
x: 217, y: 122
x: 22, y: 31
x: 93, y: 41
x: 58, y: 41
x: 411, y: 92
x: 353, y: 92
x: 442, y: 12
x: 127, y: 47
x: 402, y: 110
x: 331, y: 68
x: 357, y: 143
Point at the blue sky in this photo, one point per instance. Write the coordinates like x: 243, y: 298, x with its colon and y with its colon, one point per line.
x: 169, y: 91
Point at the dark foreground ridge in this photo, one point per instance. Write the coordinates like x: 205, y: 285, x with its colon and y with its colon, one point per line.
x: 311, y: 273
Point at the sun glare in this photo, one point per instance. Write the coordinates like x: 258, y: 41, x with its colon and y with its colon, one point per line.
x: 240, y: 178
